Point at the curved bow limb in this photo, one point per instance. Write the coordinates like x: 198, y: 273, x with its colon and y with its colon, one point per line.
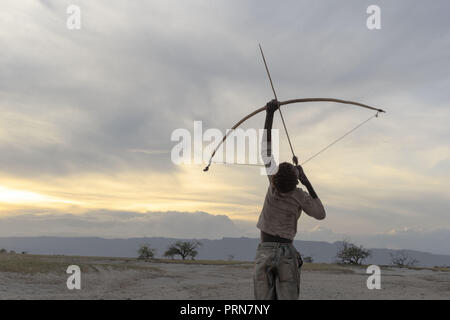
x: 303, y: 100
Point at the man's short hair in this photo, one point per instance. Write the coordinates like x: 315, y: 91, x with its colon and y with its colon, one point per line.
x: 286, y: 179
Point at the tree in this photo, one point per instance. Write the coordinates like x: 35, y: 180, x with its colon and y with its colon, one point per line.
x: 349, y: 253
x: 402, y: 259
x: 171, y: 252
x: 3, y: 250
x: 183, y: 249
x: 145, y: 252
x: 230, y: 257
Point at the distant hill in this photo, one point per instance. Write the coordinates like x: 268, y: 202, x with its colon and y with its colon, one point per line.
x: 241, y: 248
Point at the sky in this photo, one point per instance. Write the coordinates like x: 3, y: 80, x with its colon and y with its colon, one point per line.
x: 87, y: 116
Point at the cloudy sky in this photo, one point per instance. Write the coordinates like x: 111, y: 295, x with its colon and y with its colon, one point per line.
x: 87, y: 115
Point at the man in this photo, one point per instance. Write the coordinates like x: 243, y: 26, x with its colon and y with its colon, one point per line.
x: 277, y: 263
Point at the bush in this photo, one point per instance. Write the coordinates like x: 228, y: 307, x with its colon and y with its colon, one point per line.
x: 145, y: 252
x: 402, y: 259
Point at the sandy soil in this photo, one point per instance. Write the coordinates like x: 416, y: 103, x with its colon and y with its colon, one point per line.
x: 119, y: 279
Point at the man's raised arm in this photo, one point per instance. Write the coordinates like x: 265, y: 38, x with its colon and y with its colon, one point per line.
x: 266, y: 145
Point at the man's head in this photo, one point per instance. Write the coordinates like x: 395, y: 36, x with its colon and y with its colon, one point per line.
x: 286, y: 179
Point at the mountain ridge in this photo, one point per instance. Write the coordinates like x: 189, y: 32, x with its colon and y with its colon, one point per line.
x: 242, y: 248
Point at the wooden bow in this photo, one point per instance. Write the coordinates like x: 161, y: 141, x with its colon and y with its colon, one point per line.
x: 281, y: 104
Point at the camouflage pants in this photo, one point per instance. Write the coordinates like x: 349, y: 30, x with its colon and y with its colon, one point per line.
x: 277, y: 272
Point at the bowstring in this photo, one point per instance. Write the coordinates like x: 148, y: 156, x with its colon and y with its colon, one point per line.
x: 314, y: 155
x: 339, y: 139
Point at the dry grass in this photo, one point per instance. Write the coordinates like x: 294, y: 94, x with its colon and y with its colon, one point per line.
x: 326, y: 267
x: 30, y: 264
x: 441, y: 269
x: 206, y: 262
x: 27, y: 263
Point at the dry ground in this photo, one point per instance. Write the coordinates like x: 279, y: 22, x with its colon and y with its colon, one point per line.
x: 44, y: 277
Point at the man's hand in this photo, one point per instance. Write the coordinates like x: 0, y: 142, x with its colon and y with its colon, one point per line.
x: 272, y: 106
x: 301, y: 175
x: 304, y: 180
